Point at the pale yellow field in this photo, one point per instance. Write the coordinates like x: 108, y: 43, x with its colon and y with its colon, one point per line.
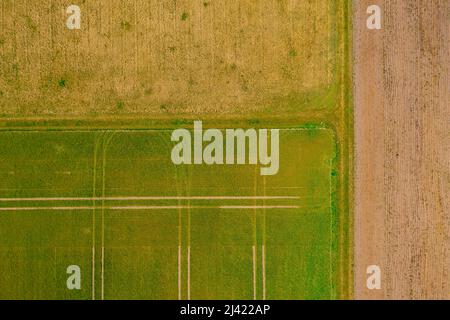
x: 165, y: 57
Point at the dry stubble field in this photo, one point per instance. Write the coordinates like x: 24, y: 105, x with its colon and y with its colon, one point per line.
x: 168, y: 57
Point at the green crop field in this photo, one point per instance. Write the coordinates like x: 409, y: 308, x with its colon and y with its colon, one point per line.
x: 114, y: 204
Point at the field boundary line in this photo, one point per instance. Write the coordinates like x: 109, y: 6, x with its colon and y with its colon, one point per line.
x: 121, y: 130
x: 254, y: 271
x: 189, y: 273
x: 105, y: 147
x: 93, y: 272
x: 94, y: 191
x: 263, y: 249
x: 179, y: 272
x: 331, y: 233
x: 255, y: 236
x: 150, y: 198
x: 103, y: 273
x: 263, y: 262
x: 258, y: 207
x: 142, y: 208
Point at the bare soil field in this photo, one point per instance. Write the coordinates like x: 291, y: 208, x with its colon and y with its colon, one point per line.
x: 402, y: 141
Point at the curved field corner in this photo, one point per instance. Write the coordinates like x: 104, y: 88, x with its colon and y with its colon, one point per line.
x: 85, y: 130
